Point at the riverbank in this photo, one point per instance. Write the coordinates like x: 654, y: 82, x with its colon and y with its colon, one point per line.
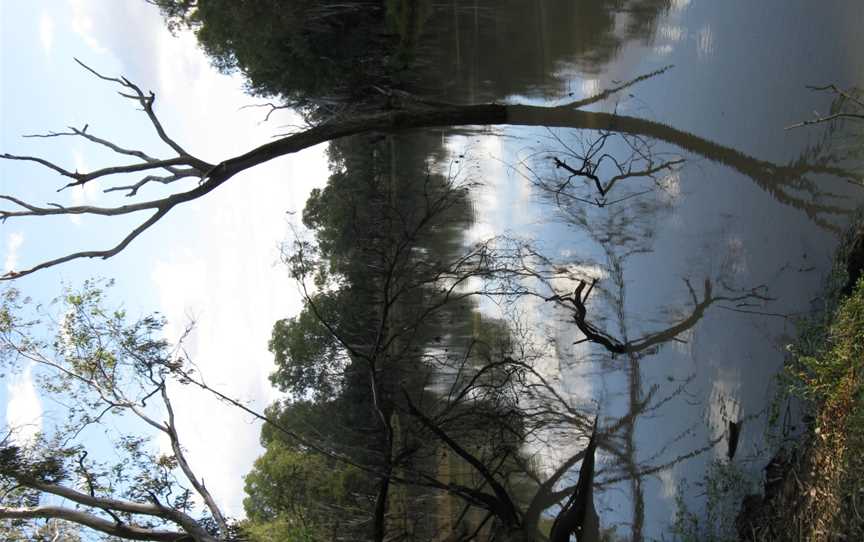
x: 815, y: 492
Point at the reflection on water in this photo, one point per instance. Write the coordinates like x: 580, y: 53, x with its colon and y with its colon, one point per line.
x: 636, y: 263
x: 665, y: 273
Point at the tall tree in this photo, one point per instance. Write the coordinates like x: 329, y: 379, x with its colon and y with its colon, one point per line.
x: 104, y: 366
x: 304, y: 52
x: 305, y: 494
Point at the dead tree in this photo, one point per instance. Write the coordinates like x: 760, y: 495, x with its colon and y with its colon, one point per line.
x: 409, y: 114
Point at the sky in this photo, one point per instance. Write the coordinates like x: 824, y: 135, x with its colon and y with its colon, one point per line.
x: 215, y: 261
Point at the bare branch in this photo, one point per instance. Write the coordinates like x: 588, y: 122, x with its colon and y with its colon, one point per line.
x: 104, y: 142
x: 273, y: 108
x: 168, y: 179
x: 83, y: 178
x: 606, y: 93
x: 501, y: 504
x: 146, y: 101
x: 827, y: 118
x: 189, y: 524
x: 171, y: 431
x: 104, y: 254
x: 771, y: 177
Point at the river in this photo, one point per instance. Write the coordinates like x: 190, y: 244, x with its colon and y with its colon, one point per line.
x: 733, y: 259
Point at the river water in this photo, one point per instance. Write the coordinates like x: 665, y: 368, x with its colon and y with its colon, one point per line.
x: 732, y: 259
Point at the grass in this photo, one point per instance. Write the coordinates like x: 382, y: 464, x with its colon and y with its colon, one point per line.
x: 821, y: 493
x: 828, y: 486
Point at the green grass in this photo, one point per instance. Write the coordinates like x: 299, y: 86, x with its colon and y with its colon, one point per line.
x: 823, y: 493
x: 827, y: 371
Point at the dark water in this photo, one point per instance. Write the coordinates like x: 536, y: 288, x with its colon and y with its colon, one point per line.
x: 702, y: 268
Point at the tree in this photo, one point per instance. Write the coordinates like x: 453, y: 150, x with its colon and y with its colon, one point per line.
x: 104, y: 366
x: 405, y: 113
x: 309, y: 359
x: 305, y: 52
x: 489, y: 400
x: 303, y: 493
x: 53, y: 530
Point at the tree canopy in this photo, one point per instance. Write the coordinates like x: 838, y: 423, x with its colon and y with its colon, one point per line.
x: 305, y: 52
x: 309, y: 359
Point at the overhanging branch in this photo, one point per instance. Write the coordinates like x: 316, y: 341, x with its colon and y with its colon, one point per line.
x: 779, y: 180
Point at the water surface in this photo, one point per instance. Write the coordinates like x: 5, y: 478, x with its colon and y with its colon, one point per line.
x: 736, y: 258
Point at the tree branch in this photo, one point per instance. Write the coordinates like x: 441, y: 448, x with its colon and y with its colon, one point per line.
x: 189, y: 524
x: 503, y: 506
x: 171, y: 431
x: 104, y: 254
x: 120, y: 530
x: 771, y: 177
x: 146, y: 101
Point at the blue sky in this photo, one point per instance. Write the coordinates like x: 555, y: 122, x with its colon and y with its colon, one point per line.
x: 215, y: 260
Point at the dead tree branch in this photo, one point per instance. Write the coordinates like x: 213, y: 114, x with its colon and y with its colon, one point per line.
x: 410, y: 116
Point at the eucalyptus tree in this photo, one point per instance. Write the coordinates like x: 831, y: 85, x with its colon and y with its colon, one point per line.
x: 103, y: 367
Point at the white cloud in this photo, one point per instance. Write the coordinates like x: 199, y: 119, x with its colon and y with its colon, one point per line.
x: 46, y: 32
x: 218, y: 261
x: 83, y: 25
x: 13, y: 244
x: 735, y: 260
x: 671, y: 32
x: 23, y: 409
x: 590, y: 87
x: 235, y: 295
x: 127, y: 30
x: 671, y: 187
x: 229, y: 279
x: 724, y: 404
x: 663, y: 50
x: 223, y: 269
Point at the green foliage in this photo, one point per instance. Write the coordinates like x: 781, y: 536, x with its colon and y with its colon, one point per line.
x: 301, y: 50
x: 52, y: 530
x: 295, y: 495
x: 823, y: 367
x: 826, y: 369
x: 94, y: 348
x: 347, y: 215
x: 309, y: 359
x: 98, y: 364
x: 48, y: 469
x: 281, y: 529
